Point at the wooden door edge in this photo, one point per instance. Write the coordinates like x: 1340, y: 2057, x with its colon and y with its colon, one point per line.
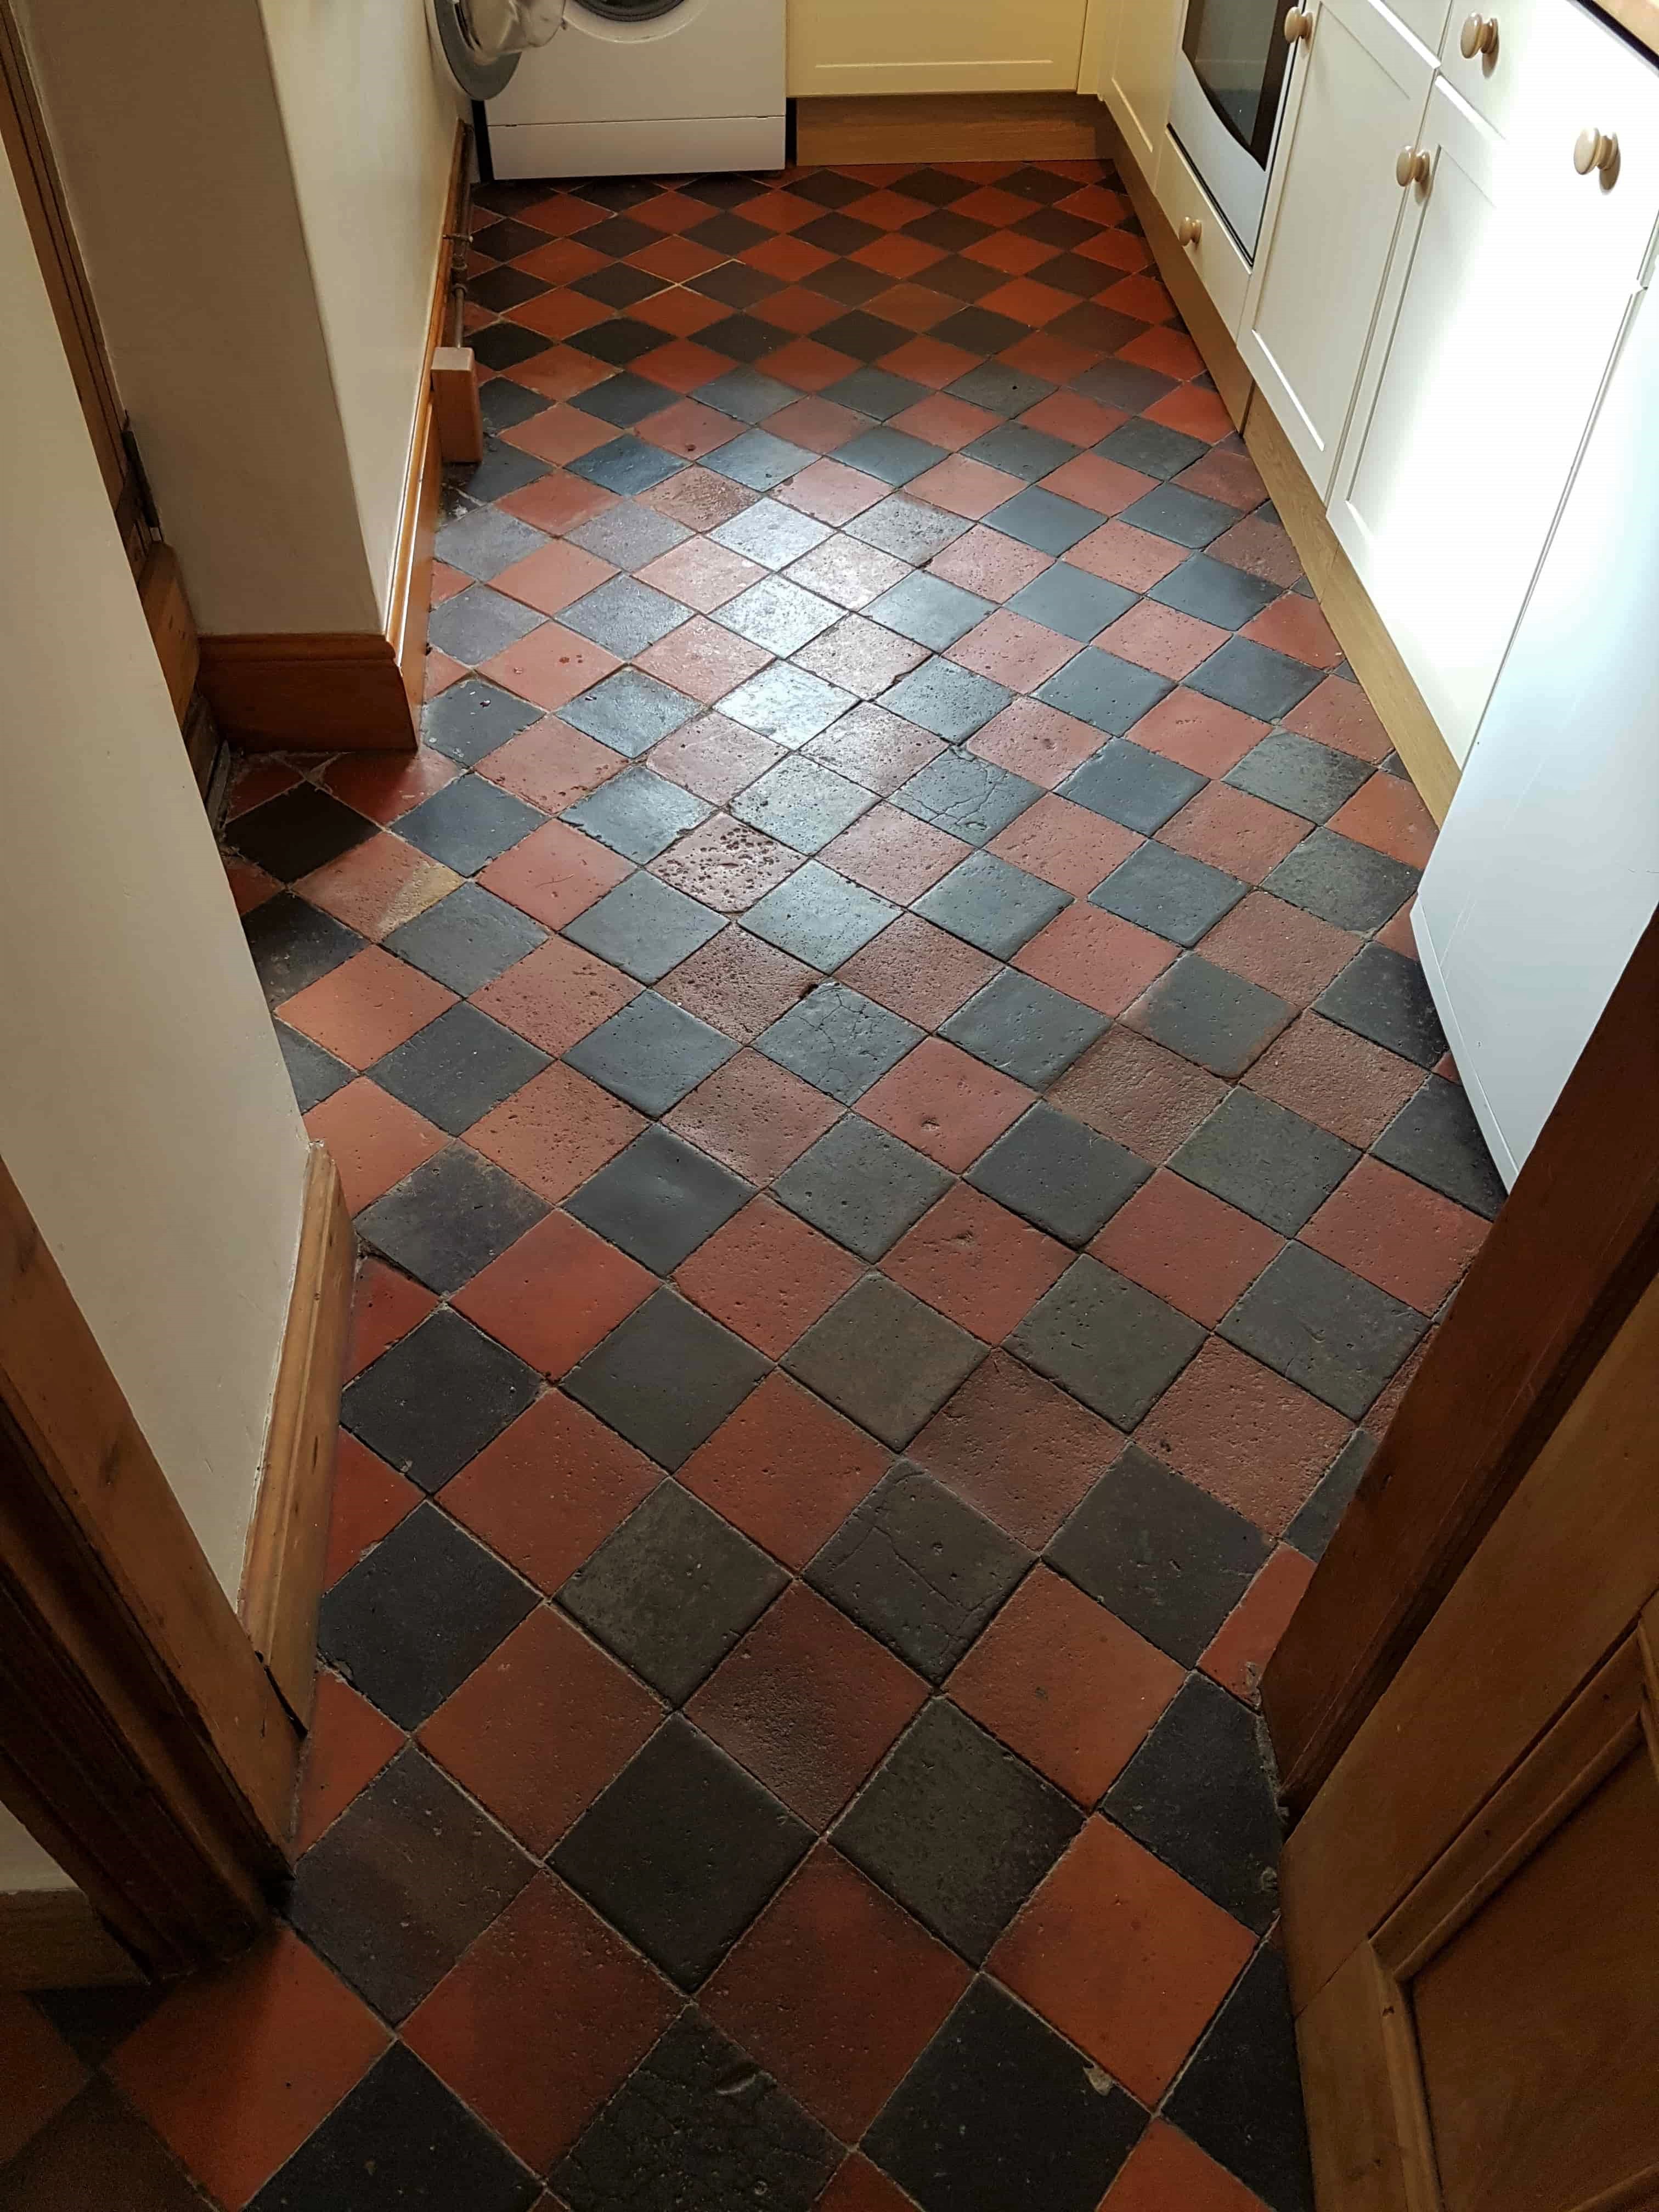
x: 52, y: 1939
x: 944, y: 126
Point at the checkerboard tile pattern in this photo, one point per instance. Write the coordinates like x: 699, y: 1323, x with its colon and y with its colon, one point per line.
x: 904, y: 1160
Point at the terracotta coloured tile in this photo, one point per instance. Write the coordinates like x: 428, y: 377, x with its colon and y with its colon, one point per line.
x: 787, y: 257
x: 1142, y: 296
x: 929, y: 361
x: 887, y: 210
x: 860, y: 656
x: 1012, y: 651
x: 836, y: 1991
x: 556, y: 1132
x: 559, y: 374
x: 1342, y: 1082
x: 831, y: 493
x: 558, y: 502
x: 986, y: 562
x: 559, y: 214
x: 546, y: 1722
x: 897, y: 257
x: 347, y: 1744
x: 553, y: 1294
x: 978, y: 1264
x: 726, y: 865
x: 672, y: 212
x: 944, y: 421
x: 385, y: 1307
x: 1195, y: 412
x: 755, y: 1116
x: 798, y: 309
x: 1295, y: 625
x: 497, y: 2029
x: 1123, y: 554
x: 850, y: 573
x: 676, y: 260
x: 704, y: 661
x: 1036, y: 742
x: 556, y: 576
x: 249, y: 886
x: 378, y: 884
x: 1165, y: 2172
x: 1245, y: 1434
x: 1162, y: 638
x: 1008, y: 251
x: 441, y: 671
x: 375, y: 1140
x: 1338, y: 713
x: 42, y: 2073
x: 1388, y: 815
x: 551, y: 1489
x: 767, y: 1275
x: 559, y: 314
x: 681, y: 364
x: 367, y: 1006
x: 1201, y: 733
x: 713, y: 758
x: 1096, y: 203
x: 861, y: 2187
x: 809, y: 366
x: 699, y: 499
x: 945, y: 1103
x: 1189, y: 1249
x: 1399, y: 936
x: 875, y: 748
x: 1066, y: 1685
x: 556, y: 994
x: 1168, y: 350
x: 785, y: 1469
x: 701, y: 574
x: 383, y: 785
x: 1018, y: 1448
x: 1231, y: 478
x: 550, y: 665
x: 1095, y: 957
x: 1136, y: 1092
x: 1280, y: 947
x: 780, y: 211
x: 1093, y: 481
x: 891, y: 851
x: 257, y: 782
x: 1261, y: 549
x: 737, y: 984
x: 561, y: 261
x: 1124, y: 1957
x: 559, y: 434
x: 1068, y: 415
x: 1234, y: 830
x: 818, y: 424
x: 918, y: 970
x: 1114, y: 249
x: 1028, y: 300
x: 1397, y: 1233
x: 1388, y: 1404
x: 1246, y: 1640
x: 554, y: 873
x: 1001, y: 210
x: 550, y: 766
x: 289, y: 2040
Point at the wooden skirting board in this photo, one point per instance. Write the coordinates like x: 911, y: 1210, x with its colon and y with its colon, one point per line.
x: 283, y: 1573
x: 947, y: 126
x: 52, y: 1939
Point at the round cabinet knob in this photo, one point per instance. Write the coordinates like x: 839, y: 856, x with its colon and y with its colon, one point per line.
x: 1597, y: 150
x: 1478, y: 36
x: 1298, y: 24
x: 1413, y: 167
x: 1189, y: 230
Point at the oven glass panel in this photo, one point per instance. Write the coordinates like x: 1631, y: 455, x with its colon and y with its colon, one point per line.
x: 1239, y: 54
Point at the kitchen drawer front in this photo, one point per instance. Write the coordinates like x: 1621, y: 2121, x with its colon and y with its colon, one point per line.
x: 1553, y: 69
x: 1222, y: 268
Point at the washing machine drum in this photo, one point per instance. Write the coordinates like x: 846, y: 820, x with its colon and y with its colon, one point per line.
x: 482, y: 39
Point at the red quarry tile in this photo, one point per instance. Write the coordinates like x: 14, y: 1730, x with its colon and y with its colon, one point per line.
x: 836, y: 1991
x: 913, y: 308
x: 378, y: 884
x: 1387, y: 1405
x: 1064, y: 1684
x: 1193, y: 410
x: 675, y: 260
x: 1036, y: 742
x: 1398, y: 1233
x: 289, y: 2040
x: 547, y: 1722
x: 713, y: 758
x: 785, y: 1469
x: 1114, y: 249
x: 1142, y: 296
x: 1123, y: 554
x: 767, y: 1275
x: 1400, y: 937
x: 559, y: 374
x: 1124, y: 1957
x: 249, y: 886
x: 1068, y: 415
x: 559, y: 215
x: 1136, y: 1092
x: 551, y: 766
x: 1012, y: 651
x: 876, y: 748
x: 1171, y: 352
x: 1019, y: 1450
x: 1245, y: 1434
x: 738, y: 985
x: 556, y: 994
x: 551, y: 579
x: 858, y: 2185
x: 809, y: 366
x: 1388, y: 815
x: 818, y: 424
x: 927, y: 361
x: 559, y: 314
x: 897, y: 257
x: 670, y: 212
x: 1280, y: 947
x: 1027, y: 300
x: 554, y: 1293
x: 1043, y: 354
x: 554, y: 873
x: 808, y: 1703
x: 383, y: 785
x: 755, y: 1116
x: 891, y: 851
x: 1068, y: 845
x: 1007, y: 251
x: 367, y: 1006
x: 798, y: 309
x: 497, y: 2029
x: 976, y: 1263
x: 348, y: 1743
x: 887, y: 210
x: 1338, y: 713
x: 945, y: 1103
x: 1329, y: 1076
x: 551, y: 1489
x: 726, y: 865
x: 699, y: 499
x: 917, y: 970
x: 1162, y: 638
x: 556, y: 1132
x: 680, y: 365
x: 847, y: 572
x: 1189, y: 1249
x: 1261, y: 549
x: 702, y: 575
x: 1245, y: 1641
x: 1201, y: 733
x: 550, y: 665
x: 830, y: 492
x: 1165, y: 2172
x: 1093, y: 481
x: 559, y: 434
x: 1095, y: 957
x: 42, y: 2073
x: 385, y: 1307
x: 789, y: 258
x: 963, y: 487
x: 1001, y: 210
x: 369, y: 1499
x: 860, y: 655
x: 944, y: 421
x: 375, y: 1140
x: 704, y: 661
x: 440, y: 674
x: 986, y: 562
x: 1295, y: 625
x: 779, y: 211
x: 257, y: 782
x: 1232, y: 477
x: 1234, y: 830
x: 558, y: 502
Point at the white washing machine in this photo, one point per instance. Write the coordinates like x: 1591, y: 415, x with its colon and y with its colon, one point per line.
x: 620, y: 87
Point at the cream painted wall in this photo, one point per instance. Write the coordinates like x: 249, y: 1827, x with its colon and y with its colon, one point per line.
x: 372, y: 142
x: 144, y: 1112
x: 23, y: 1864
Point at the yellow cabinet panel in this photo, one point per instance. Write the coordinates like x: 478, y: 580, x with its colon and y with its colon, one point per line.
x: 862, y: 46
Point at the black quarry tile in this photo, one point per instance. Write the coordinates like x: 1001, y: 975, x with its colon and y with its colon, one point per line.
x: 1265, y: 1160
x: 644, y: 927
x: 468, y: 823
x: 468, y: 721
x: 1106, y: 1341
x: 1127, y: 784
x: 467, y: 940
x: 294, y: 944
x: 1168, y: 892
x: 1059, y: 1174
x: 861, y: 1187
x: 1328, y: 1329
x: 1436, y: 1138
x: 990, y: 903
x: 458, y: 1067
x: 302, y: 829
x: 1382, y: 994
x: 1026, y: 1028
x: 1304, y: 778
x: 1207, y: 1014
x: 454, y: 1214
x: 885, y: 1359
x: 666, y: 1377
x: 658, y: 1200
x: 650, y: 1054
x: 1318, y: 1520
x: 1240, y: 2098
x: 839, y: 1041
x: 315, y: 1074
x: 437, y: 1397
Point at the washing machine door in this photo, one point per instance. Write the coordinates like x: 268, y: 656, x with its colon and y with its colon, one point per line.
x: 481, y: 40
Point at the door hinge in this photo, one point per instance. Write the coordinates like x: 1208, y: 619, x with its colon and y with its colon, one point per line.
x: 140, y: 476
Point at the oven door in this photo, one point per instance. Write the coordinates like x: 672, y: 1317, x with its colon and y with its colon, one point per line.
x: 1229, y: 91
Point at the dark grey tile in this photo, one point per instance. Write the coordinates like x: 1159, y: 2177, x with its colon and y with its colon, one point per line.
x: 819, y: 917
x: 1043, y: 520
x: 1265, y: 1160
x: 1151, y: 448
x: 624, y: 616
x: 454, y: 1214
x: 1168, y: 892
x: 628, y: 535
x: 735, y: 285
x: 802, y: 803
x: 778, y: 616
x: 618, y: 343
x: 631, y: 712
x: 928, y: 610
x: 301, y: 830
x: 861, y: 1187
x: 838, y: 1041
x: 1019, y: 451
x: 637, y: 814
x: 908, y: 529
x: 1209, y: 1015
x: 680, y: 1852
x: 1024, y: 1028
x: 979, y: 330
x: 1106, y: 1341
x: 482, y: 541
x: 1185, y: 517
x: 468, y: 823
x: 478, y: 622
x: 991, y: 903
x: 1160, y: 1553
x: 1123, y: 384
x: 471, y: 717
x: 885, y: 1359
x: 1002, y: 390
x: 1240, y: 2097
x: 759, y: 460
x: 458, y: 1067
x: 666, y: 1377
x: 650, y: 1054
x: 1436, y: 1138
x: 644, y: 927
x: 949, y: 700
x: 1318, y: 1520
x: 1128, y: 784
x: 434, y: 1400
x: 970, y: 798
x: 671, y: 1590
x: 1112, y: 695
x: 623, y: 399
x: 959, y: 1830
x: 946, y: 229
x: 1061, y: 1175
x: 746, y: 393
x: 1341, y: 882
x: 503, y: 346
x: 771, y: 533
x: 838, y: 233
x: 293, y: 943
x: 658, y: 1200
x: 1214, y: 592
x: 1382, y: 994
x: 503, y: 403
x: 1072, y: 602
x: 315, y: 1074
x: 892, y: 456
x: 788, y: 704
x: 617, y: 284
x: 1252, y: 678
x: 875, y: 392
x: 627, y: 465
x: 1304, y: 778
x: 1314, y: 1321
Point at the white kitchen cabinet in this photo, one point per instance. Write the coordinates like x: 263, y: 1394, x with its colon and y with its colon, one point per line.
x: 1358, y: 93
x: 1212, y: 249
x: 1139, y: 67
x: 848, y: 46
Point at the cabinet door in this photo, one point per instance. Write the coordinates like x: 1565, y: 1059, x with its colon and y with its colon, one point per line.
x: 1475, y: 395
x: 845, y: 47
x: 1140, y: 67
x: 1357, y: 97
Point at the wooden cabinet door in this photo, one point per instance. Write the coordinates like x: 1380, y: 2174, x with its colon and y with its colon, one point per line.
x: 1358, y: 93
x: 848, y: 46
x: 1139, y: 70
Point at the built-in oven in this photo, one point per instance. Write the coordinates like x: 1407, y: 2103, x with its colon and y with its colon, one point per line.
x: 1229, y: 80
